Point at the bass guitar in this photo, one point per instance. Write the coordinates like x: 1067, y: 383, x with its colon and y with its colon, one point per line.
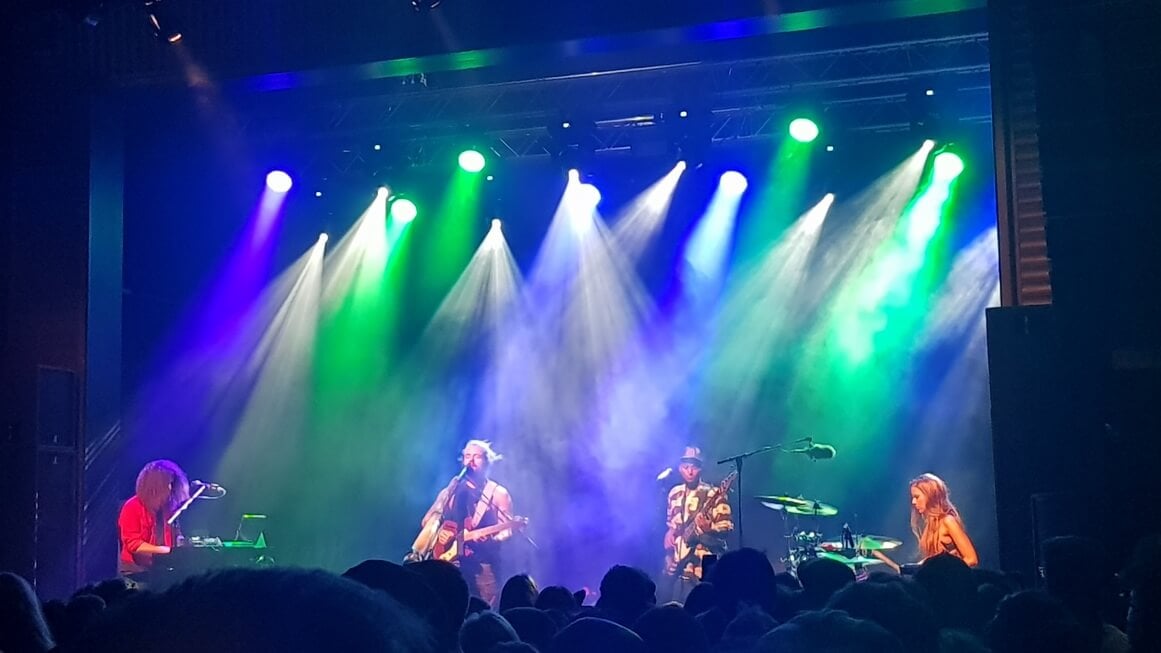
x: 448, y: 538
x: 683, y: 537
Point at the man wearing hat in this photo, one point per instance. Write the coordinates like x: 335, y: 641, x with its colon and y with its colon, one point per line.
x: 698, y: 520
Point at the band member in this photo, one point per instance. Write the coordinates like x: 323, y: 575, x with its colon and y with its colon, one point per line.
x: 472, y: 501
x: 936, y: 522
x: 162, y: 487
x: 698, y: 520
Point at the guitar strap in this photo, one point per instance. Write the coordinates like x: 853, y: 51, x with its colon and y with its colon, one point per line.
x: 484, y: 503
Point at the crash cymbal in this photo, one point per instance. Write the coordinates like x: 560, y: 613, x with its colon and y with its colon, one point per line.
x: 852, y: 560
x: 866, y: 543
x: 779, y: 501
x: 814, y: 509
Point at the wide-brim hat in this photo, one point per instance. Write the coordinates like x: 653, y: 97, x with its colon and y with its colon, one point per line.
x: 692, y: 455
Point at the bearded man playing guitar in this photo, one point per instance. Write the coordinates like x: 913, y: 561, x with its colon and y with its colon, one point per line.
x: 469, y: 519
x: 698, y: 518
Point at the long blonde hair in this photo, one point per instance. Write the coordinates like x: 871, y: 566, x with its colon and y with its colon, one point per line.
x: 926, y: 526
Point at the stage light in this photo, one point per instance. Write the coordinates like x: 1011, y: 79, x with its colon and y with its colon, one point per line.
x: 683, y: 114
x: 322, y: 238
x: 733, y: 182
x: 803, y: 130
x: 403, y: 210
x: 278, y: 181
x: 830, y: 148
x: 382, y: 192
x: 566, y: 124
x: 489, y: 178
x: 318, y: 193
x: 680, y: 166
x: 472, y: 161
x: 376, y: 147
x: 929, y: 92
x: 947, y: 166
x: 588, y: 195
x: 496, y: 224
x: 574, y: 176
x: 161, y: 21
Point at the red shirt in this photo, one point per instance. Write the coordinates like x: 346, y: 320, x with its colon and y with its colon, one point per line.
x: 139, y: 526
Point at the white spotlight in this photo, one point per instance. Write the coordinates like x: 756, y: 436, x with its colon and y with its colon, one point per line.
x: 322, y: 238
x: 496, y: 224
x: 278, y: 181
x: 733, y: 182
x: 588, y: 195
x: 382, y: 193
x: 574, y: 176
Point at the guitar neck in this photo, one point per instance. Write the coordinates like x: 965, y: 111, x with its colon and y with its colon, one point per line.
x: 473, y: 535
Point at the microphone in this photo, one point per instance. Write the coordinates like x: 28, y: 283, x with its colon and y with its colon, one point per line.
x: 217, y: 490
x: 817, y: 451
x: 463, y: 472
x: 665, y: 473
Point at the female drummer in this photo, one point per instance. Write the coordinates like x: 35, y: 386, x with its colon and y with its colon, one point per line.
x: 936, y: 523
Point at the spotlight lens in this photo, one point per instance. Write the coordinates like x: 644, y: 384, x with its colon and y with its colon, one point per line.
x: 495, y: 223
x: 472, y: 161
x: 566, y: 124
x: 930, y: 91
x: 589, y: 195
x: 574, y: 176
x: 322, y: 238
x: 377, y: 147
x: 278, y: 181
x: 403, y: 210
x: 683, y: 113
x: 318, y: 193
x: 803, y: 130
x: 382, y: 192
x: 947, y: 166
x: 733, y: 182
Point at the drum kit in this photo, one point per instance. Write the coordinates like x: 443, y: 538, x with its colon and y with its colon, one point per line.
x: 857, y: 551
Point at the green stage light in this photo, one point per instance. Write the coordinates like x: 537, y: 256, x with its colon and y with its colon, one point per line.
x: 403, y: 210
x: 947, y: 166
x: 472, y: 161
x: 803, y: 130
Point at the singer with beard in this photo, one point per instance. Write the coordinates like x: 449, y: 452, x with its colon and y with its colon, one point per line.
x: 162, y: 487
x: 473, y: 501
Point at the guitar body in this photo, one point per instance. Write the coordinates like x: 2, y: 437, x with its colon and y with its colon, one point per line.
x: 447, y: 546
x: 450, y: 542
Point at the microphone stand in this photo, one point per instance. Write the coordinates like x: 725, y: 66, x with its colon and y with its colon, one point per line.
x: 186, y: 504
x: 737, y: 461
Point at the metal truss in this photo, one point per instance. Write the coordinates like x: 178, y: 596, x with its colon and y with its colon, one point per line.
x: 869, y: 88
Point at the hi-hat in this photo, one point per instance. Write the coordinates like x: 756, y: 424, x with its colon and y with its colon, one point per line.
x: 866, y: 543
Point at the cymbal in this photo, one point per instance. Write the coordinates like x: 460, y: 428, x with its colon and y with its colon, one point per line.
x: 797, y: 506
x: 782, y: 501
x: 853, y: 560
x: 866, y: 543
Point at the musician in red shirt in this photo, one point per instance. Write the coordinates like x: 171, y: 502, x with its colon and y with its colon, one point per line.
x: 162, y: 487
